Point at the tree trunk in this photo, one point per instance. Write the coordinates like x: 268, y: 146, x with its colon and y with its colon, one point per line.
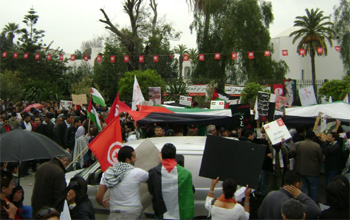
x: 313, y: 70
x: 181, y: 60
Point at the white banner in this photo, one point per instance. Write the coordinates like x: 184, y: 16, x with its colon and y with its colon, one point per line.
x: 307, y: 96
x: 185, y: 100
x: 137, y: 97
x: 277, y: 130
x: 217, y: 104
x: 66, y: 104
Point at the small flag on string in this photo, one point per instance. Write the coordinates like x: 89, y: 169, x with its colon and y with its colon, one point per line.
x: 61, y: 57
x: 112, y: 59
x: 48, y: 56
x: 201, y: 57
x: 250, y: 55
x: 37, y: 56
x: 72, y: 57
x: 302, y: 51
x: 267, y: 53
x: 217, y: 56
x: 86, y: 58
x: 126, y: 59
x: 234, y: 55
x: 319, y: 50
x: 15, y: 55
x: 284, y: 52
x: 337, y: 48
x: 156, y: 58
x: 25, y: 55
x: 4, y: 54
x: 141, y: 59
x: 99, y: 58
x: 186, y: 57
x: 171, y: 56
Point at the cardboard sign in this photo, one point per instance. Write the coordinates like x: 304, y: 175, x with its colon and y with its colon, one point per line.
x: 263, y: 104
x: 277, y: 130
x: 66, y: 104
x: 240, y: 160
x: 79, y: 99
x: 307, y: 96
x: 241, y: 116
x: 281, y: 103
x: 185, y: 100
x: 217, y: 104
x: 154, y: 95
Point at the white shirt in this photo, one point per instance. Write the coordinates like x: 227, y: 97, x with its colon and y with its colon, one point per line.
x: 126, y: 194
x: 237, y: 212
x: 28, y: 126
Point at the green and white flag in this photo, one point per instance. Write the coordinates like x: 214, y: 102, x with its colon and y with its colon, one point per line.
x: 93, y: 115
x: 97, y: 97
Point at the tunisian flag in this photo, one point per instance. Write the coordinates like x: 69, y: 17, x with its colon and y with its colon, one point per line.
x: 107, y: 144
x: 117, y: 107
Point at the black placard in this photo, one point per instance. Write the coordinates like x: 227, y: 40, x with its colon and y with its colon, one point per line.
x: 241, y: 116
x: 225, y: 158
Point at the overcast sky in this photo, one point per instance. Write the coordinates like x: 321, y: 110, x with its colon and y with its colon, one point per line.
x: 70, y: 22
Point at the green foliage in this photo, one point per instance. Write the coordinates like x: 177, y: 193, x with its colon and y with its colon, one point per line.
x: 250, y: 92
x: 335, y: 88
x: 175, y: 88
x: 341, y: 27
x: 147, y: 78
x: 10, y: 86
x: 83, y: 86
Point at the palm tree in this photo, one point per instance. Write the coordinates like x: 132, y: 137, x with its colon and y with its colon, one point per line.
x: 193, y: 56
x: 181, y: 49
x: 314, y: 30
x: 11, y: 29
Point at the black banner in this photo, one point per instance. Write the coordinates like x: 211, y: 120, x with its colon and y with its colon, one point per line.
x: 241, y: 116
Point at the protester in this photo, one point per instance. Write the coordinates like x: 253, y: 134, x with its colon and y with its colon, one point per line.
x: 211, y: 130
x: 308, y: 159
x: 50, y: 182
x: 332, y: 157
x: 292, y: 210
x: 123, y: 180
x: 171, y: 187
x: 271, y: 205
x: 226, y: 207
x: 7, y: 210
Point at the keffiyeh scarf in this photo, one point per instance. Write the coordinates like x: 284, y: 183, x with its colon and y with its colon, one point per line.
x: 115, y: 174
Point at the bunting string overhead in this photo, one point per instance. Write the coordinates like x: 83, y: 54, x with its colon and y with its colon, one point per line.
x: 156, y: 58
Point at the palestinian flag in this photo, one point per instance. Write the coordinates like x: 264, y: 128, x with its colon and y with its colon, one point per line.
x: 93, y: 115
x: 218, y: 94
x: 171, y: 186
x: 97, y: 97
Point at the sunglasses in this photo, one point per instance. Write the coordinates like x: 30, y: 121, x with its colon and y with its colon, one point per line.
x: 46, y: 212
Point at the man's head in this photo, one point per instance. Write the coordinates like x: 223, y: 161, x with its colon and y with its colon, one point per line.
x: 292, y: 209
x: 26, y: 117
x: 6, y: 121
x: 158, y: 131
x: 332, y: 136
x: 211, y: 130
x: 6, y: 183
x: 69, y: 118
x: 249, y: 135
x: 37, y: 120
x: 127, y: 154
x: 309, y: 134
x: 168, y: 151
x: 292, y: 178
x: 77, y: 122
x: 59, y: 120
x: 65, y: 159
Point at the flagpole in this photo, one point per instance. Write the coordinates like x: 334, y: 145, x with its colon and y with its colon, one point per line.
x: 76, y: 158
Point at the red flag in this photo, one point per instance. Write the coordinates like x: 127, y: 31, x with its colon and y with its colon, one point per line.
x: 4, y: 54
x: 337, y: 48
x: 117, y: 106
x: 234, y: 55
x: 267, y: 53
x: 250, y: 55
x: 107, y: 144
x: 141, y: 58
x: 49, y: 56
x: 171, y: 56
x: 155, y: 58
x: 25, y: 56
x: 37, y: 56
x: 278, y: 89
x: 99, y: 58
x: 201, y: 57
x: 186, y: 57
x: 320, y: 50
x: 15, y: 55
x: 61, y: 57
x: 217, y: 56
x: 112, y: 59
x: 72, y: 57
x: 126, y: 59
x: 302, y: 51
x: 284, y: 52
x: 86, y: 58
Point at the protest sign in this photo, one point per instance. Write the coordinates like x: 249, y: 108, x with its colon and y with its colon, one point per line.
x: 263, y: 104
x: 277, y: 130
x: 225, y: 158
x: 79, y: 99
x: 185, y: 100
x: 66, y: 104
x: 217, y: 104
x: 307, y: 96
x: 241, y: 116
x: 281, y: 103
x: 154, y: 95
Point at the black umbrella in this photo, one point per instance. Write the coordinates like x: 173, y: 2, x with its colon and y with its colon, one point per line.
x: 21, y: 145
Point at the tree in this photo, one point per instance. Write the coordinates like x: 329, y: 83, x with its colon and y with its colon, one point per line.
x: 181, y: 49
x: 10, y: 30
x: 175, y: 88
x: 193, y: 56
x: 250, y: 92
x: 336, y: 88
x: 315, y: 29
x: 147, y: 78
x: 342, y: 30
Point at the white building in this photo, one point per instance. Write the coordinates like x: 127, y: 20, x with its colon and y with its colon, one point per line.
x: 327, y: 67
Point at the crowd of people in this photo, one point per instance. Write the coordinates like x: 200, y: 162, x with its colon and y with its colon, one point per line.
x: 289, y: 178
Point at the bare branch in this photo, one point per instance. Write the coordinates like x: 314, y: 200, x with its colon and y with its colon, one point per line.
x: 153, y: 4
x: 110, y: 26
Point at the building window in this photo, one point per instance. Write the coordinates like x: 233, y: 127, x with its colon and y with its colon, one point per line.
x: 302, y: 74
